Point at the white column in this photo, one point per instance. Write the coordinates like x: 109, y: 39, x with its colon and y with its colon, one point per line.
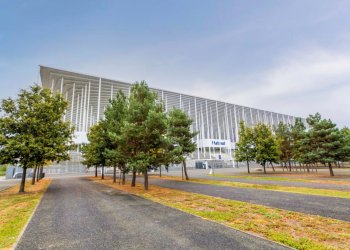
x: 212, y: 129
x: 272, y: 121
x: 202, y: 132
x: 228, y: 135
x: 111, y: 91
x: 72, y: 104
x: 207, y: 116
x: 195, y: 108
x: 166, y: 103
x: 61, y: 92
x: 236, y: 122
x: 251, y: 117
x: 99, y: 100
x: 65, y: 113
x: 244, y: 117
x: 217, y: 120
x: 81, y: 109
x: 52, y: 85
x: 88, y: 109
x: 91, y: 117
x: 85, y: 108
x: 180, y: 102
x: 77, y: 114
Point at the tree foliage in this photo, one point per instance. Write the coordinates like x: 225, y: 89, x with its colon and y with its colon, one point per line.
x: 115, y: 115
x: 32, y: 131
x: 181, y: 137
x: 266, y: 146
x: 245, y: 148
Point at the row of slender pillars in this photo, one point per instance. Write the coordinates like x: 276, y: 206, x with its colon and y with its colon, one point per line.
x: 84, y: 119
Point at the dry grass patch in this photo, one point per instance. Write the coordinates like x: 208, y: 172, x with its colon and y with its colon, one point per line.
x: 15, y: 210
x: 298, y: 190
x: 322, y: 179
x: 295, y: 229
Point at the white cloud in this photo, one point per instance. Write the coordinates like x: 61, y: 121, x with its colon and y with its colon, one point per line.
x: 301, y: 83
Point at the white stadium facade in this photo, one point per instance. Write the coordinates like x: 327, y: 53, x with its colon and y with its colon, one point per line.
x: 217, y: 122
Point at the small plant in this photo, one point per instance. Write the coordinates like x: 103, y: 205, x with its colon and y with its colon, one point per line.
x: 3, y: 170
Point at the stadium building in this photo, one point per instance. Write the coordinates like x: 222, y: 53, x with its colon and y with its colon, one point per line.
x: 217, y: 122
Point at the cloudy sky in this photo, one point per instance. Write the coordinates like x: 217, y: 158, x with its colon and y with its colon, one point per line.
x: 291, y: 57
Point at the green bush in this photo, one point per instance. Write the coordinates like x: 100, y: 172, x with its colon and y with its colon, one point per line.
x: 2, y: 170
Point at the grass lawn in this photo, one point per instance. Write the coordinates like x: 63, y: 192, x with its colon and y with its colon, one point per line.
x: 15, y: 210
x: 295, y: 229
x: 299, y: 190
x: 281, y: 178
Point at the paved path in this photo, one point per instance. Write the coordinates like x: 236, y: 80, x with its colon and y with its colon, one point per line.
x: 337, y: 208
x: 79, y: 214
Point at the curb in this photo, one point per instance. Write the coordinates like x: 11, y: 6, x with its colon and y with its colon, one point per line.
x: 29, y: 220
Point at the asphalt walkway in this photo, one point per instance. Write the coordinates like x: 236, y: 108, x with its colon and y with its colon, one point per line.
x: 337, y: 208
x: 79, y: 214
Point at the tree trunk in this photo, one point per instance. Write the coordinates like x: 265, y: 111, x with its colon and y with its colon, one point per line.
x: 114, y: 174
x: 133, y: 181
x: 185, y: 170
x: 41, y: 173
x: 34, y: 175
x: 264, y: 168
x: 23, y: 181
x: 330, y: 169
x: 103, y: 172
x: 95, y: 171
x: 248, y: 167
x: 145, y: 184
x: 182, y: 172
x: 37, y: 175
x: 123, y: 178
x: 272, y: 167
x: 290, y: 166
x: 160, y: 171
x: 120, y: 176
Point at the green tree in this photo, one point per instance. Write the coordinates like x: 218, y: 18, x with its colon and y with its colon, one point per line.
x: 94, y: 153
x: 32, y: 131
x: 343, y: 153
x: 245, y: 147
x: 324, y: 140
x: 266, y: 146
x: 143, y: 131
x: 89, y: 156
x: 284, y: 139
x: 115, y: 116
x: 181, y: 137
x: 298, y: 133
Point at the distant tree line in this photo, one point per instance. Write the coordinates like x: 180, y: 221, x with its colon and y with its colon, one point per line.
x: 137, y: 135
x: 295, y: 145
